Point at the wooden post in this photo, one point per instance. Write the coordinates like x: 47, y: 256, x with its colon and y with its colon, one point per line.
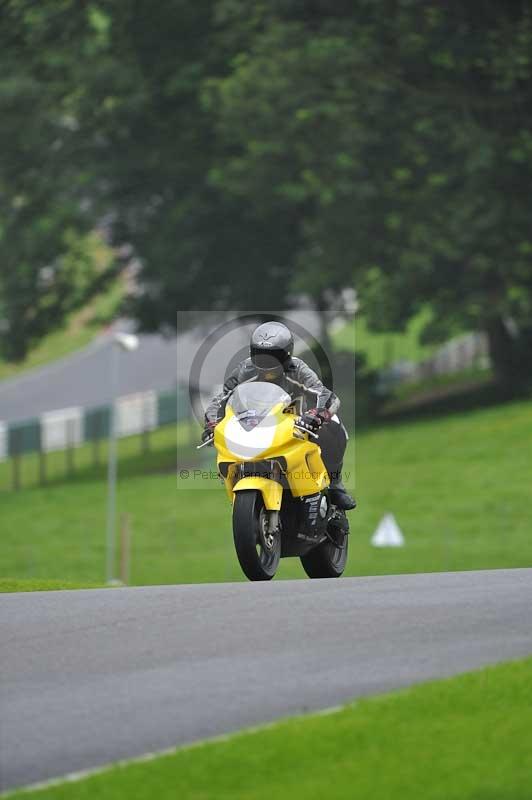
x: 125, y: 545
x: 145, y: 438
x: 145, y: 441
x: 70, y: 447
x: 97, y: 434
x: 96, y: 452
x: 42, y: 466
x: 15, y: 448
x: 15, y: 472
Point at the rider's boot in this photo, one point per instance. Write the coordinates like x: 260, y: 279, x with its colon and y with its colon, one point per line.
x: 338, y: 494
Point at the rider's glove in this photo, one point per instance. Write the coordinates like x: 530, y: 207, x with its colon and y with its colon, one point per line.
x: 208, y: 432
x: 323, y: 413
x: 313, y: 420
x: 315, y: 417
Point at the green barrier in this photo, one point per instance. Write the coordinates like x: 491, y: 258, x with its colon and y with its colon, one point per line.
x: 97, y: 423
x: 173, y: 406
x: 167, y: 408
x: 23, y: 437
x: 26, y: 437
x: 182, y: 404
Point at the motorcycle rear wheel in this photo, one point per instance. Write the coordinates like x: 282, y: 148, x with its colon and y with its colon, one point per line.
x: 258, y: 552
x: 327, y: 560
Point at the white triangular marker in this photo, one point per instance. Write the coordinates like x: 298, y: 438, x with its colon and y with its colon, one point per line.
x: 388, y: 533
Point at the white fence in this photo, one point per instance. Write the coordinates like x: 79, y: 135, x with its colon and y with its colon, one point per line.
x: 3, y: 442
x: 61, y: 429
x: 67, y: 427
x: 136, y: 413
x: 465, y: 352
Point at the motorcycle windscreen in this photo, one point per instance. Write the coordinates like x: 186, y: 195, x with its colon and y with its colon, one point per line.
x: 251, y: 431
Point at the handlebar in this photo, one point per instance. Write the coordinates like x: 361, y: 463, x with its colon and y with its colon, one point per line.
x: 306, y: 430
x: 205, y: 443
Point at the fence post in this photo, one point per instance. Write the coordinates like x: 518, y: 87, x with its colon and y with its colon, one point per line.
x: 96, y: 452
x: 15, y: 472
x: 145, y: 438
x: 96, y: 441
x: 145, y: 441
x: 125, y: 545
x: 15, y: 450
x: 70, y: 447
x: 42, y: 466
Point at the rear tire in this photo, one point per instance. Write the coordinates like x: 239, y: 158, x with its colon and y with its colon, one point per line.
x: 258, y: 552
x: 326, y: 560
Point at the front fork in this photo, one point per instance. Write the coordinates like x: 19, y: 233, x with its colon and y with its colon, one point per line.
x: 272, y: 497
x: 273, y: 521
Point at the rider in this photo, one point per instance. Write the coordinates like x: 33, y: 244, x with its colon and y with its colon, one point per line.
x: 271, y: 359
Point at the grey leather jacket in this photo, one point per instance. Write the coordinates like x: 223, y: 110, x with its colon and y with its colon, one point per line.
x: 299, y: 381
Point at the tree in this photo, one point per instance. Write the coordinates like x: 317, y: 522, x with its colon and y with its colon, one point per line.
x: 401, y: 135
x: 252, y: 150
x: 153, y: 148
x: 47, y: 260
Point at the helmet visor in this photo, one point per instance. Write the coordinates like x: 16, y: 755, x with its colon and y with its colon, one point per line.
x: 268, y: 359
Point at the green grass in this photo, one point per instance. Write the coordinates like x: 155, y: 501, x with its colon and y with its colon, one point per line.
x: 79, y: 330
x: 382, y: 349
x: 439, y: 384
x: 16, y: 585
x: 458, y: 485
x: 467, y: 738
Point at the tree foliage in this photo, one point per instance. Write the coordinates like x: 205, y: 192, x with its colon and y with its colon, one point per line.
x: 48, y: 260
x: 251, y: 149
x: 402, y: 135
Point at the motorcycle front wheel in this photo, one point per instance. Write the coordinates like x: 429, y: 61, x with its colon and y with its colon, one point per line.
x: 258, y: 551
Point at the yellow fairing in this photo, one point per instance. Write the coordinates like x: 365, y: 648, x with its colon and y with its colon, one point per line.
x: 305, y: 470
x: 283, y: 429
x: 272, y: 492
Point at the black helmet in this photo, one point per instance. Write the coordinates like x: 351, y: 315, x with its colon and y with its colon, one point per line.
x: 271, y: 346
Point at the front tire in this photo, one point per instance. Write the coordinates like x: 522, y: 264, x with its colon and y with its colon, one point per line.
x: 258, y: 552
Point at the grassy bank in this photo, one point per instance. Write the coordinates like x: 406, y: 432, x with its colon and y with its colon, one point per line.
x: 29, y: 585
x: 79, y: 330
x: 381, y: 349
x: 459, y: 487
x: 461, y: 739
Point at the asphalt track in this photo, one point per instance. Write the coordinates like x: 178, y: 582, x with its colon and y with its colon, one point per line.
x: 159, y: 363
x: 90, y: 677
x: 82, y: 378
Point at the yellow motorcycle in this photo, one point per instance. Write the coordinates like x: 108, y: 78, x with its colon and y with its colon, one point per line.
x: 277, y: 482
